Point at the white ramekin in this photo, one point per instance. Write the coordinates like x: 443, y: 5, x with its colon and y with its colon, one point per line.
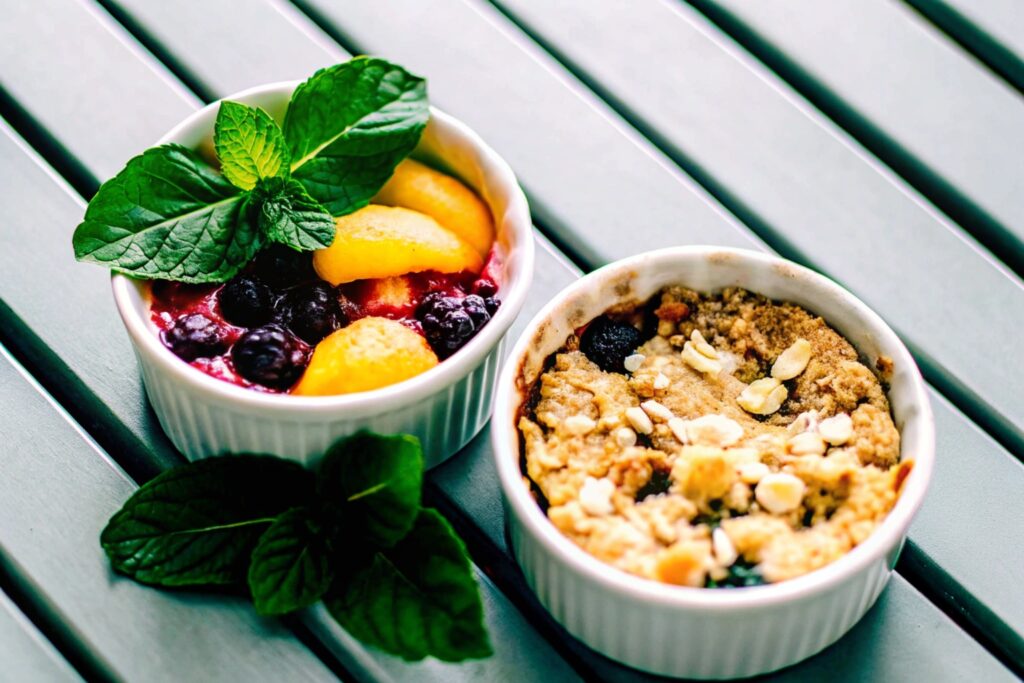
x: 695, y: 632
x: 445, y: 406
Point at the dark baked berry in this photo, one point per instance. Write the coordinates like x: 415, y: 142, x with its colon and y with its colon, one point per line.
x: 270, y: 356
x: 312, y: 311
x: 607, y: 342
x: 280, y: 266
x: 492, y: 305
x: 485, y: 287
x: 196, y: 336
x: 449, y: 322
x: 246, y: 302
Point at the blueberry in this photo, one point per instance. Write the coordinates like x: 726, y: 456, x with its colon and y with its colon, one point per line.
x: 270, y: 356
x: 246, y: 302
x: 607, y: 342
x: 449, y: 322
x: 280, y: 266
x: 312, y: 311
x: 196, y: 336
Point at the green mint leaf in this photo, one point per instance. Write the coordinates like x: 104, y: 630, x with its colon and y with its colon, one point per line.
x: 289, y: 216
x: 198, y: 524
x: 167, y: 215
x: 349, y: 125
x: 250, y: 145
x: 417, y: 599
x: 290, y: 568
x: 376, y: 483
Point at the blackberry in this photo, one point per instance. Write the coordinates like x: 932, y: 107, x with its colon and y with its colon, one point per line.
x: 195, y: 336
x: 280, y: 266
x: 246, y: 302
x: 607, y: 342
x: 270, y: 356
x: 449, y: 322
x: 312, y: 311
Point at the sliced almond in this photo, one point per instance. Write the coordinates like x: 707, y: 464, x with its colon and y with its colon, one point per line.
x: 698, y: 361
x: 625, y: 437
x: 763, y: 396
x: 721, y: 544
x: 678, y: 427
x: 713, y: 430
x: 633, y: 362
x: 804, y: 422
x: 837, y: 429
x: 657, y: 411
x: 792, y: 361
x: 752, y: 472
x: 661, y: 381
x: 579, y: 424
x: 596, y: 496
x: 806, y: 443
x: 638, y: 418
x: 701, y: 345
x: 779, y: 492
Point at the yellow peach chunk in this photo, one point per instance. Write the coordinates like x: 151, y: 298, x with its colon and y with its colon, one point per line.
x: 382, y: 241
x: 368, y: 354
x: 419, y: 187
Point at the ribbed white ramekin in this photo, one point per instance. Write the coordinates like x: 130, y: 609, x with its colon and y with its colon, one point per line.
x: 695, y: 632
x: 445, y: 406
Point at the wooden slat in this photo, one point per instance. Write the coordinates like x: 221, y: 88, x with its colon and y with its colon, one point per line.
x: 812, y: 191
x: 992, y: 29
x: 994, y: 475
x: 64, y: 92
x: 911, y: 94
x: 57, y: 492
x: 25, y: 655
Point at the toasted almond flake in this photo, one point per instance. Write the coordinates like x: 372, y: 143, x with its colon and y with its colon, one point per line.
x: 763, y: 396
x: 721, y: 544
x: 579, y: 424
x: 699, y: 362
x: 625, y: 437
x: 661, y: 381
x: 806, y: 443
x: 780, y: 492
x: 633, y: 362
x: 837, y: 429
x: 792, y: 361
x: 752, y: 472
x: 702, y: 346
x: 638, y: 418
x: 804, y: 422
x: 596, y: 496
x: 657, y: 411
x: 714, y: 430
x: 678, y: 427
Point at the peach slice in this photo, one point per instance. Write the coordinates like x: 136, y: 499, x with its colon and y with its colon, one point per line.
x: 368, y: 354
x: 382, y: 241
x: 419, y: 187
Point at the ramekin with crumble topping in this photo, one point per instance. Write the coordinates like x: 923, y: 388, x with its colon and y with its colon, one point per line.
x: 703, y: 417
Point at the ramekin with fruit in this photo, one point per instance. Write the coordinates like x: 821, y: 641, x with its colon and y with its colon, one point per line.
x: 302, y: 261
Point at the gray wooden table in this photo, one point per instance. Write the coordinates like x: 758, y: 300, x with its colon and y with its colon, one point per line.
x: 880, y: 142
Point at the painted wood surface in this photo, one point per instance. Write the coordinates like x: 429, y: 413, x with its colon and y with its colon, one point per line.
x: 25, y: 654
x: 904, y: 633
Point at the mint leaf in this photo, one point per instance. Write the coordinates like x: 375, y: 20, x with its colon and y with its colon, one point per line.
x: 375, y: 482
x: 290, y: 568
x: 198, y: 524
x: 349, y: 125
x: 249, y: 144
x: 167, y: 215
x: 288, y: 215
x: 417, y: 599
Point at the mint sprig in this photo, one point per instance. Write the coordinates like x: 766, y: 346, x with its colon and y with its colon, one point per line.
x: 169, y: 215
x: 392, y: 573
